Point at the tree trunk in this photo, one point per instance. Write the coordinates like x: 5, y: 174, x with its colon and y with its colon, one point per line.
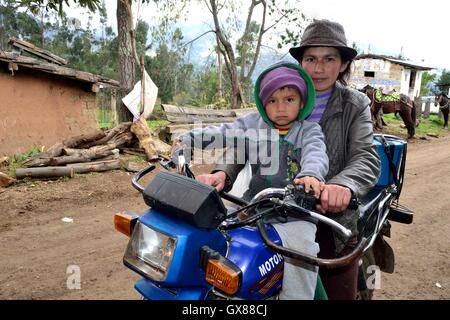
x: 219, y: 71
x: 230, y: 59
x: 127, y: 63
x: 142, y: 132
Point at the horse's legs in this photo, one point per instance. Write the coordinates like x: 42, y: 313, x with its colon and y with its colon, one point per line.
x: 405, y: 114
x: 445, y: 114
x: 378, y: 120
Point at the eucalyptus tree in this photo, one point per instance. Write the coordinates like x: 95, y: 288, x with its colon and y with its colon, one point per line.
x: 262, y: 16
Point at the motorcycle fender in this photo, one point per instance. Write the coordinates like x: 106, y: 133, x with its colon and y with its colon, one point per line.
x: 150, y: 291
x: 384, y: 255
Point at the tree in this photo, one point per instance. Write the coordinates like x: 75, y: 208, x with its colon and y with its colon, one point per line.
x: 443, y: 84
x: 56, y: 5
x: 167, y: 68
x: 427, y: 81
x: 17, y: 24
x: 128, y: 59
x: 240, y: 62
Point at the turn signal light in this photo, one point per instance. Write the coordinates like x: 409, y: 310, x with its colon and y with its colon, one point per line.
x: 222, y: 277
x: 124, y: 222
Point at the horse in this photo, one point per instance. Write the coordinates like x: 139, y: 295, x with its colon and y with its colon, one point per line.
x: 443, y: 101
x: 405, y: 107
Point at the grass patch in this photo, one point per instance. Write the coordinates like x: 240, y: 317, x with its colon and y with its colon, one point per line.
x: 104, y: 118
x: 16, y: 161
x: 432, y: 125
x: 157, y: 124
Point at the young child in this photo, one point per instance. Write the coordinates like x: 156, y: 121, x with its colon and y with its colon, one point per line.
x: 293, y: 151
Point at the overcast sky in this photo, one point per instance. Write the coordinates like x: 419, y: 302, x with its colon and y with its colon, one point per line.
x: 420, y: 28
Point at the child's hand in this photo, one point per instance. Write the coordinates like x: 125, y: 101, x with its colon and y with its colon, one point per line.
x: 176, y: 145
x: 310, y: 183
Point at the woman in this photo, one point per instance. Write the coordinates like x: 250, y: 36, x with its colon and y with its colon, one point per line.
x: 344, y: 115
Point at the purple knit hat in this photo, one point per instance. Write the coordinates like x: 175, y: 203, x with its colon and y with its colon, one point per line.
x: 279, y: 78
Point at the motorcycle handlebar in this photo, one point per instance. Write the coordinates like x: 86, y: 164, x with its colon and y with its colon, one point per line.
x: 138, y: 176
x: 320, y: 262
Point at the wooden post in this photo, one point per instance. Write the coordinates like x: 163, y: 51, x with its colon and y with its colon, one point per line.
x: 426, y: 112
x: 142, y: 86
x: 418, y: 101
x: 113, y: 108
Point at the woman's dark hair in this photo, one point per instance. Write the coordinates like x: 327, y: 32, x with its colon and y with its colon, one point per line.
x: 344, y: 76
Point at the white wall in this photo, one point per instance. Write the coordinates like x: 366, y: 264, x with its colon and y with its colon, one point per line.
x: 417, y: 84
x: 433, y: 109
x: 404, y: 86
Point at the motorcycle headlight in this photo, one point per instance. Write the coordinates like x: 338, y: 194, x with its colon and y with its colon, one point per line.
x: 150, y: 252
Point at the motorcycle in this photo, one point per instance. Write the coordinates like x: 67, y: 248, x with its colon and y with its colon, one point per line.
x: 190, y: 246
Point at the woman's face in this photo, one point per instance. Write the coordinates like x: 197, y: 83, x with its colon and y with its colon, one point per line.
x: 323, y: 65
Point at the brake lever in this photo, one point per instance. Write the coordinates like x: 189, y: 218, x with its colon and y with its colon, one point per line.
x: 167, y: 164
x: 290, y: 204
x: 309, y: 201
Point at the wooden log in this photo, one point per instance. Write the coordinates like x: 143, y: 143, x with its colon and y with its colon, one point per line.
x: 135, y: 153
x: 162, y: 147
x: 5, y: 180
x: 37, y: 162
x: 89, y: 153
x: 55, y: 150
x: 43, y: 159
x: 97, y: 166
x: 142, y: 131
x: 197, y: 111
x: 4, y: 160
x: 84, y: 155
x: 138, y: 150
x: 121, y: 139
x: 59, y: 161
x: 111, y: 157
x: 84, y: 138
x: 133, y: 166
x: 188, y: 118
x: 44, y: 172
x: 109, y: 134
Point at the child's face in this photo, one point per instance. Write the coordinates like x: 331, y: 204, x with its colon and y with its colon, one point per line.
x: 283, y: 107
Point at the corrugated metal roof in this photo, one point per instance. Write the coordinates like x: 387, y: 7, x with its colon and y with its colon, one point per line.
x: 407, y: 63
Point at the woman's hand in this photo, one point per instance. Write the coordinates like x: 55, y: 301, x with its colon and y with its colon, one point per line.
x: 334, y: 198
x: 309, y: 183
x: 216, y: 179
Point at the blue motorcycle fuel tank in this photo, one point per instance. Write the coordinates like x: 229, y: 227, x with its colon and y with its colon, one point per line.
x: 262, y: 268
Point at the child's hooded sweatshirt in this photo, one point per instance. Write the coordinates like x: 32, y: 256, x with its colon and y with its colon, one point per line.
x: 276, y: 157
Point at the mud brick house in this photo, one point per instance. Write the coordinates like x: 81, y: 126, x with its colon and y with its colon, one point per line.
x: 388, y: 73
x: 41, y: 101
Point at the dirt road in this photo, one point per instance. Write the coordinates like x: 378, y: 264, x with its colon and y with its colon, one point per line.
x: 40, y: 253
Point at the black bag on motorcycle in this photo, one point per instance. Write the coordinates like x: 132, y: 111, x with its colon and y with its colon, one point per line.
x: 190, y: 200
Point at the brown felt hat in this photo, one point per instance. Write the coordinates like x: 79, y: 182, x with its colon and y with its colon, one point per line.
x: 324, y: 33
